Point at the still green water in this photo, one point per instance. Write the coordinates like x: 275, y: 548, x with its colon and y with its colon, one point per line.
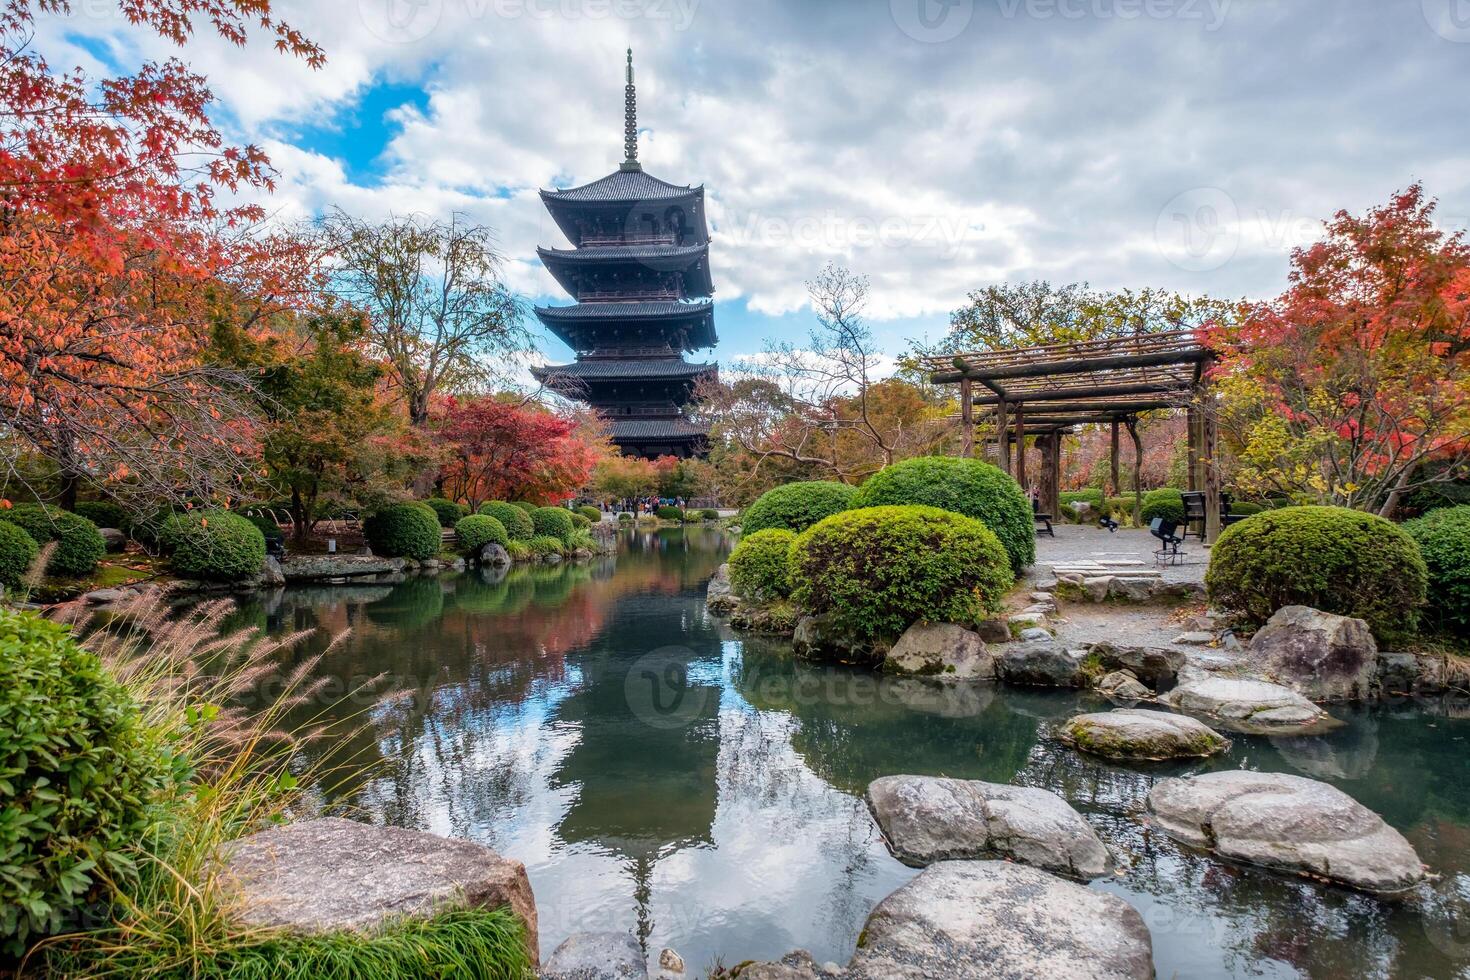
x: 658, y: 773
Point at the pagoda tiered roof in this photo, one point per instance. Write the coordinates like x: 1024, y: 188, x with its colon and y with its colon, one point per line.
x: 690, y: 261
x: 620, y: 369
x: 623, y: 187
x: 654, y: 430
x: 571, y: 323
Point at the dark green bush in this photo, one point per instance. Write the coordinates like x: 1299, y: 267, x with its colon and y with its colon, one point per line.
x: 267, y: 525
x: 546, y: 544
x: 79, y: 546
x: 478, y: 530
x: 1166, y: 502
x: 516, y: 521
x: 625, y: 518
x: 1117, y: 507
x: 796, y: 506
x: 669, y: 514
x: 881, y: 569
x: 965, y: 486
x: 1330, y: 558
x: 17, y: 551
x: 593, y: 514
x: 526, y: 506
x: 553, y: 522
x: 447, y: 511
x: 78, y: 773
x: 213, y: 545
x: 760, y: 565
x: 580, y: 521
x: 404, y: 531
x: 103, y: 513
x: 710, y: 514
x: 1244, y: 508
x: 1443, y: 536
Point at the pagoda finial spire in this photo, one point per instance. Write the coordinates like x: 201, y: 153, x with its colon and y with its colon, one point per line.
x: 630, y: 121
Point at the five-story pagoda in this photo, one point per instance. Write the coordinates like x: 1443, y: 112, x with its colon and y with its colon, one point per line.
x: 639, y: 271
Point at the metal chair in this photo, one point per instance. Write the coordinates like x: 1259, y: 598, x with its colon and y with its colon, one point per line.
x: 1042, y: 519
x: 1168, y: 534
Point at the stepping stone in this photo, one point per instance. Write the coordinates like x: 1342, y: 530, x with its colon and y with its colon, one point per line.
x: 925, y: 819
x: 597, y: 956
x: 1287, y: 823
x: 1140, y: 735
x: 969, y: 920
x: 1248, y: 706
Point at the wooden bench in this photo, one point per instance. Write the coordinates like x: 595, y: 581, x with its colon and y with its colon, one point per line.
x: 1043, y: 519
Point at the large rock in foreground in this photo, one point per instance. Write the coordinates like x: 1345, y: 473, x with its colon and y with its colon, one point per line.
x: 1287, y: 823
x: 827, y: 637
x: 1249, y: 706
x: 1137, y: 734
x: 1317, y: 654
x: 943, y: 651
x: 974, y: 919
x: 331, y: 874
x: 597, y: 956
x: 927, y: 819
x: 1041, y: 663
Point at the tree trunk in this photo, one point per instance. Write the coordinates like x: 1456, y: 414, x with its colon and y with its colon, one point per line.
x: 70, y: 483
x: 1391, y: 503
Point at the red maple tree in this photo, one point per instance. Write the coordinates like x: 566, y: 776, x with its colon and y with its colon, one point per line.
x: 502, y: 450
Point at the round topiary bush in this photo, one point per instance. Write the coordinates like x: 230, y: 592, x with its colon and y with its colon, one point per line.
x: 79, y: 775
x: 79, y: 545
x: 516, y: 521
x: 710, y: 514
x: 103, y: 513
x: 545, y: 544
x: 1330, y: 558
x: 882, y: 569
x: 625, y: 518
x: 580, y: 521
x: 1244, y: 508
x: 1443, y: 536
x: 965, y: 486
x: 447, y: 511
x: 527, y: 506
x: 760, y: 568
x: 17, y: 551
x: 478, y: 530
x: 553, y: 522
x: 1166, y: 502
x: 404, y: 531
x: 669, y: 514
x: 213, y: 545
x: 796, y: 506
x: 593, y: 514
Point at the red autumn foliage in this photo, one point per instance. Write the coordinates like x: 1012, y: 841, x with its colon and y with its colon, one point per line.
x: 501, y: 450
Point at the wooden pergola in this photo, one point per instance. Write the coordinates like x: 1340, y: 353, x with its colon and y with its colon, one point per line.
x: 1045, y: 393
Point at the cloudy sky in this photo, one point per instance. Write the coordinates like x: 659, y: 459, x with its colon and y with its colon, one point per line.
x: 935, y: 145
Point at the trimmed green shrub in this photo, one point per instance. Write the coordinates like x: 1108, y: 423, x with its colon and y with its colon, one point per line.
x: 1119, y: 507
x: 553, y: 522
x: 78, y: 773
x: 625, y: 518
x: 1244, y: 508
x: 267, y: 525
x: 710, y: 514
x: 519, y: 550
x: 404, y: 531
x: 517, y: 522
x: 882, y: 569
x: 17, y: 551
x: 593, y: 514
x: 79, y: 545
x: 1443, y: 536
x: 447, y: 511
x: 796, y: 506
x: 760, y: 565
x: 1166, y: 502
x: 546, y: 544
x: 103, y: 513
x: 581, y: 541
x: 526, y: 506
x: 213, y: 545
x: 966, y: 486
x: 478, y: 530
x: 669, y: 514
x: 1091, y: 496
x: 692, y: 517
x: 1330, y: 558
x: 580, y: 521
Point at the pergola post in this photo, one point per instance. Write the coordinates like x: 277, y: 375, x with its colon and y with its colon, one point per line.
x: 1209, y: 445
x: 1021, y: 444
x: 1003, y: 438
x: 1137, y: 472
x: 1054, y: 479
x: 1192, y: 427
x: 967, y: 416
x: 1117, y: 483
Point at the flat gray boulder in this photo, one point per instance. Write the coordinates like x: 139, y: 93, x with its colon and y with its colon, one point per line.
x: 1041, y: 662
x: 925, y: 819
x: 1287, y: 823
x: 943, y: 651
x: 993, y: 919
x: 719, y: 595
x: 306, y: 568
x: 1317, y: 654
x: 1121, y: 685
x: 1246, y: 705
x: 1137, y: 734
x: 332, y: 874
x: 597, y: 956
x: 114, y: 539
x: 1156, y: 667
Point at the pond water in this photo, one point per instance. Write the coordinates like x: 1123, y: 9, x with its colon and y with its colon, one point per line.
x: 658, y: 773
